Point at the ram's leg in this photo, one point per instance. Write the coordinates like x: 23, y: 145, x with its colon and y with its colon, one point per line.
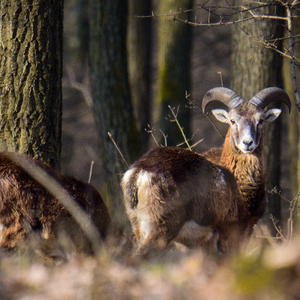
x: 132, y: 215
x: 157, y: 231
x: 230, y: 239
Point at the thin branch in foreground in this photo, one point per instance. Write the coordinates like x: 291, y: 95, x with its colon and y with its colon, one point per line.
x: 179, y: 126
x: 82, y: 88
x: 292, y: 208
x: 278, y: 229
x: 121, y: 154
x: 197, y: 143
x: 165, y: 137
x: 193, y: 104
x: 91, y: 171
x: 221, y: 78
x: 151, y: 130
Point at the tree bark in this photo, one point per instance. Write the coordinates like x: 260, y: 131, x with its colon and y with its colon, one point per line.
x: 294, y: 120
x: 111, y: 96
x: 174, y: 59
x: 30, y: 75
x: 139, y: 58
x: 254, y: 68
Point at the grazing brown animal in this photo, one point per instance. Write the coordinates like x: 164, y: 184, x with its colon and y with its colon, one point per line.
x: 28, y: 209
x: 213, y: 200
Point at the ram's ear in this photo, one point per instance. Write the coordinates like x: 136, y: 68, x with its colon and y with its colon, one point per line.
x: 221, y: 115
x: 272, y: 114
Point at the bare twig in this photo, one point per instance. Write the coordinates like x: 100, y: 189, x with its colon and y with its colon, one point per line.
x: 91, y: 171
x: 112, y: 139
x: 151, y: 131
x: 80, y: 87
x: 179, y: 126
x: 221, y: 78
x: 197, y: 143
x: 293, y: 205
x: 193, y: 104
x: 292, y: 208
x: 278, y: 229
x: 165, y: 137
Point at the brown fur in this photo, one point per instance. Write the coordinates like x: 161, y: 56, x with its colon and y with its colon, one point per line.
x: 172, y: 194
x: 249, y: 173
x: 213, y: 155
x: 28, y: 209
x: 169, y: 198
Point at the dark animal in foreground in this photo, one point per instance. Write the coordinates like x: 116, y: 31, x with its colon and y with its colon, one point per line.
x: 29, y: 211
x: 210, y: 200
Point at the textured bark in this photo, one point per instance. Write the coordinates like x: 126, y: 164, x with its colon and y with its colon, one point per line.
x: 173, y: 79
x: 253, y: 69
x: 139, y: 58
x: 30, y: 76
x: 294, y: 120
x: 111, y: 95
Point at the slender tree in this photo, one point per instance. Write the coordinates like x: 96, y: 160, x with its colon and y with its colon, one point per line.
x: 30, y: 75
x: 255, y: 67
x: 76, y: 37
x: 111, y: 95
x: 294, y: 121
x: 139, y: 57
x: 173, y: 78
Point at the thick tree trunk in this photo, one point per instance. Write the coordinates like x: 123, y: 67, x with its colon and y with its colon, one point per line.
x: 139, y: 57
x: 30, y: 75
x: 111, y: 96
x: 254, y: 68
x: 173, y: 79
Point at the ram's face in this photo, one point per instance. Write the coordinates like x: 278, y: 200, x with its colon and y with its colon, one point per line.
x: 246, y: 122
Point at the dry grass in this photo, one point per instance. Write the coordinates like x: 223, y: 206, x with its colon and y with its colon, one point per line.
x: 264, y: 271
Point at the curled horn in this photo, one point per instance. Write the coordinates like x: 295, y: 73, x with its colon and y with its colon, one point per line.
x: 224, y: 95
x: 270, y: 95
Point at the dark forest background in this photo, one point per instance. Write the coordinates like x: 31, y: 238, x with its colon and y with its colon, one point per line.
x: 166, y: 59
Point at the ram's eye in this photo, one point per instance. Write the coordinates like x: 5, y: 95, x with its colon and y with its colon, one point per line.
x: 232, y: 122
x: 260, y: 122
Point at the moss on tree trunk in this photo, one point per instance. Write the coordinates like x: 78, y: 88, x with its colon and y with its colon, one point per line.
x: 173, y: 78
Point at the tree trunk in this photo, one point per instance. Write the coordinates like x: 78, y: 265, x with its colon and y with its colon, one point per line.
x: 111, y: 96
x: 30, y: 75
x: 76, y: 38
x: 294, y: 120
x: 139, y: 58
x: 173, y: 79
x: 253, y: 69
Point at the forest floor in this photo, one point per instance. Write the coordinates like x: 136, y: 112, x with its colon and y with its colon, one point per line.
x: 265, y: 270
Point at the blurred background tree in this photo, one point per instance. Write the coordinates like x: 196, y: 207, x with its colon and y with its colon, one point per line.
x: 140, y: 45
x: 254, y: 67
x: 111, y: 96
x: 31, y: 78
x: 166, y: 58
x: 293, y: 125
x: 173, y: 69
